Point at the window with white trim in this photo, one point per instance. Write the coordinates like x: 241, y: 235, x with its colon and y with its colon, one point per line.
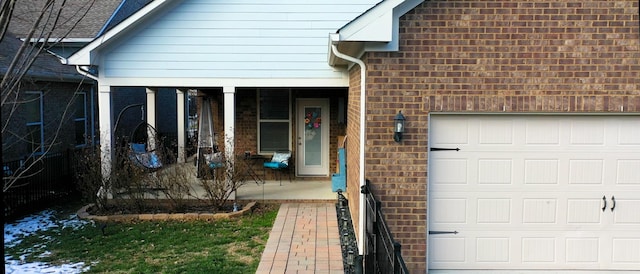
x: 274, y: 120
x: 80, y: 118
x: 34, y: 115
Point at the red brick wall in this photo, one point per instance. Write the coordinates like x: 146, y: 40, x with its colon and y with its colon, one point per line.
x: 353, y: 145
x: 485, y: 56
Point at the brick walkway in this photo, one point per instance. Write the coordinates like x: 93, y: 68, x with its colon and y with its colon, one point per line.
x: 304, y: 239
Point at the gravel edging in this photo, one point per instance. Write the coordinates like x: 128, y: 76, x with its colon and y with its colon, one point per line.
x: 83, y: 214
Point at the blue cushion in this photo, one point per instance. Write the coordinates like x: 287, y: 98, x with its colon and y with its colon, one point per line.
x: 275, y: 165
x: 215, y: 164
x: 138, y: 148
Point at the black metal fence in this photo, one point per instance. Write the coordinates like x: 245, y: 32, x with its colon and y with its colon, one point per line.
x: 46, y: 180
x: 352, y: 262
x: 383, y: 253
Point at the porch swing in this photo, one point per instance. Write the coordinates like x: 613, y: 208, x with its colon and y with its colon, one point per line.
x: 143, y: 150
x: 141, y: 143
x: 208, y: 156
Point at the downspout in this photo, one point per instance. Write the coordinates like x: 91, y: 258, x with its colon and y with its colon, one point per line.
x: 363, y: 72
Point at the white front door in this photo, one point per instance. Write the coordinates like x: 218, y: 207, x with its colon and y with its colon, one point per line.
x: 312, y: 137
x: 531, y: 192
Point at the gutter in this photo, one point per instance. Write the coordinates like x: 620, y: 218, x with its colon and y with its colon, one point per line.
x: 363, y: 72
x: 84, y: 71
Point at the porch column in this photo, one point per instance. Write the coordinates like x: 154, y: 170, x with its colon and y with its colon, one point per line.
x: 229, y: 120
x: 151, y: 117
x: 106, y: 131
x: 181, y: 125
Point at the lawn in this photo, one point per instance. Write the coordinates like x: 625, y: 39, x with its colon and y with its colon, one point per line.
x: 224, y: 246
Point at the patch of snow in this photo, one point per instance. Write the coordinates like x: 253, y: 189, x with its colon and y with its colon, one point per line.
x: 14, y: 232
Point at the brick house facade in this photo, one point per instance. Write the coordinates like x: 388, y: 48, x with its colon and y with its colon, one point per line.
x: 483, y: 57
x: 57, y: 85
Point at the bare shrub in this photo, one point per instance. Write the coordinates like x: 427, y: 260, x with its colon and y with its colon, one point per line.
x: 221, y: 179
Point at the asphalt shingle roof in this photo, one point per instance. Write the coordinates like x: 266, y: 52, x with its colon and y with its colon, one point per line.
x: 93, y: 14
x: 45, y: 67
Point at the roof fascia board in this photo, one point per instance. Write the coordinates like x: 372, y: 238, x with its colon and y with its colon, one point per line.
x: 378, y: 29
x: 365, y: 27
x: 59, y: 40
x: 83, y: 56
x: 398, y: 11
x: 221, y: 82
x: 378, y: 24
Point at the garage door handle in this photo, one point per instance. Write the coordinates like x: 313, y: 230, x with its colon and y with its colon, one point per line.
x: 613, y: 199
x: 604, y: 199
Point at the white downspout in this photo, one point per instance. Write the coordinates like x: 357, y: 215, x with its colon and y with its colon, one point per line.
x: 363, y: 99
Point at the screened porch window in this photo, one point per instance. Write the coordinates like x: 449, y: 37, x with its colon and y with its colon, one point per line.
x: 33, y: 116
x: 274, y: 120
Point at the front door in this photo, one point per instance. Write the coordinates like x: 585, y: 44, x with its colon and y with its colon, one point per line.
x: 312, y: 120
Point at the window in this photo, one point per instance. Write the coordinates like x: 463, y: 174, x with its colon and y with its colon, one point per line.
x: 274, y: 120
x: 80, y: 118
x: 33, y: 117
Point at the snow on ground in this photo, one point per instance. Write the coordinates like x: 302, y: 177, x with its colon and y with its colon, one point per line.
x: 13, y: 233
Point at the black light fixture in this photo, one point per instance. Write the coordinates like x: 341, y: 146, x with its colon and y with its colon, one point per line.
x: 398, y: 127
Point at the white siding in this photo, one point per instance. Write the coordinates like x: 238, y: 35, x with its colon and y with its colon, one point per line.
x: 234, y: 39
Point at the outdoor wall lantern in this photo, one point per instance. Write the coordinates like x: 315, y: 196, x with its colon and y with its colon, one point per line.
x: 398, y: 127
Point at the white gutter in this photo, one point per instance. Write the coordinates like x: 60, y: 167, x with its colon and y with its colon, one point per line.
x: 84, y: 71
x: 363, y: 97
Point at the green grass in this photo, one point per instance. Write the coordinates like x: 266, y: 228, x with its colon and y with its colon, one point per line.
x: 224, y: 246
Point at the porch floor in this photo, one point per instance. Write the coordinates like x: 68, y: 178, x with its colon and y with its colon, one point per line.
x: 294, y: 191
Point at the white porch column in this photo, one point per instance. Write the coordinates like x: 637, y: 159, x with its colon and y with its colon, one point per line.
x: 182, y: 140
x: 106, y: 131
x: 229, y: 120
x: 151, y: 117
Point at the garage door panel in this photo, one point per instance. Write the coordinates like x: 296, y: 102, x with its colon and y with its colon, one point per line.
x: 453, y: 171
x: 493, y: 211
x: 538, y: 250
x: 584, y: 210
x: 628, y: 172
x: 493, y: 249
x: 583, y: 171
x: 526, y: 192
x: 542, y: 132
x: 495, y: 171
x: 541, y: 171
x: 456, y: 212
x: 582, y: 250
x: 626, y: 210
x: 455, y: 254
x: 628, y: 131
x: 496, y: 131
x: 626, y: 250
x: 539, y: 210
x: 587, y: 132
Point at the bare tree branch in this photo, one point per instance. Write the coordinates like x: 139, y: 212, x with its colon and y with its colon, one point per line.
x: 36, y: 42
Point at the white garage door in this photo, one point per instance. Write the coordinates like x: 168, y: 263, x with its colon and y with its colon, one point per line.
x: 534, y: 192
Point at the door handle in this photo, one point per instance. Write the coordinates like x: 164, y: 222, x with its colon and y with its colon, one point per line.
x: 604, y: 199
x: 613, y: 199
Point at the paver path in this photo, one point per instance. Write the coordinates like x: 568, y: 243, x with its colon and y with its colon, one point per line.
x: 304, y: 239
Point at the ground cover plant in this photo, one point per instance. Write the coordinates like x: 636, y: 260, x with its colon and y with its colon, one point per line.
x: 222, y: 246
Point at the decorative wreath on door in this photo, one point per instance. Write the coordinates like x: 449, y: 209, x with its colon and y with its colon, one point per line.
x: 312, y: 122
